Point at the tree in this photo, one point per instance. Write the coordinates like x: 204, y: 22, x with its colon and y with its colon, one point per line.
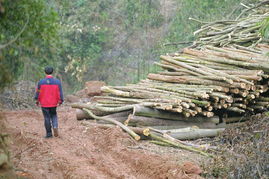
x: 28, y: 29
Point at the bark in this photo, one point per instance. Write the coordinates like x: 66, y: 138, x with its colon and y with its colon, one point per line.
x: 150, y: 112
x: 204, y: 122
x: 102, y: 109
x: 236, y: 109
x: 80, y: 114
x: 179, y: 145
x: 125, y: 128
x: 235, y: 119
x: 167, y: 136
x: 196, y: 133
x: 184, y: 65
x: 255, y: 66
x: 143, y: 132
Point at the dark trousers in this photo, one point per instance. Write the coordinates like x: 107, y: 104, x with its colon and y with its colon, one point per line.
x: 50, y: 119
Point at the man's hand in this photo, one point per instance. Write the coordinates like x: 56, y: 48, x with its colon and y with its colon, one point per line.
x: 60, y: 103
x: 37, y: 103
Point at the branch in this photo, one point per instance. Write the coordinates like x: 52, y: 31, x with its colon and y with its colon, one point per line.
x: 16, y: 37
x: 258, y: 5
x: 125, y: 128
x: 179, y: 145
x: 178, y: 43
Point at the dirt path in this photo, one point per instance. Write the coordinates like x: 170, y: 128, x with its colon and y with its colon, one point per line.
x: 82, y: 151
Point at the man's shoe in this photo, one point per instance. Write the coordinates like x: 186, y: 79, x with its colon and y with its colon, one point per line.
x: 48, y: 136
x: 55, y: 131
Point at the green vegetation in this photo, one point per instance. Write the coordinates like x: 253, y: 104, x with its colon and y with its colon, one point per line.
x: 265, y: 28
x: 141, y: 14
x: 28, y: 33
x: 93, y: 31
x: 108, y: 40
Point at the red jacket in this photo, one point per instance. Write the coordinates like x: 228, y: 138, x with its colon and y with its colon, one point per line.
x: 49, y: 92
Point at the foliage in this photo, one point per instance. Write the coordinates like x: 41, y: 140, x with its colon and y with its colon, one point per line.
x: 264, y: 30
x: 97, y: 39
x: 90, y: 30
x: 142, y: 13
x: 31, y: 26
x: 84, y: 36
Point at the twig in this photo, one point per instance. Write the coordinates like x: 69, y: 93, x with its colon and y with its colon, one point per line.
x: 246, y: 10
x: 178, y: 43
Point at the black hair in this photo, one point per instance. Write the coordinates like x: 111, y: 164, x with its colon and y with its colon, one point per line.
x: 48, y: 70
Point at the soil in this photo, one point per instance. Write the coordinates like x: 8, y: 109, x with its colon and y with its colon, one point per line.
x: 90, y: 151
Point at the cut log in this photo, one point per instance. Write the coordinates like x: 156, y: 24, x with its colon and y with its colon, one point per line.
x: 149, y: 121
x: 102, y: 109
x: 196, y: 133
x: 150, y: 112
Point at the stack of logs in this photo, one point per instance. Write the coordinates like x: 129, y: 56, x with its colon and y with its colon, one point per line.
x: 243, y: 30
x: 196, y: 88
x: 224, y: 78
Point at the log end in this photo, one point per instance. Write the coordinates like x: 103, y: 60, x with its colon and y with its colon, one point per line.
x: 137, y: 138
x: 146, y: 132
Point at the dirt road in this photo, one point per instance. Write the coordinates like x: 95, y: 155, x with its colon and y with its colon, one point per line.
x: 83, y: 152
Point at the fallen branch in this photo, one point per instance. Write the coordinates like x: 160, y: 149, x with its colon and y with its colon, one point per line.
x: 175, y: 144
x: 168, y: 137
x: 125, y: 128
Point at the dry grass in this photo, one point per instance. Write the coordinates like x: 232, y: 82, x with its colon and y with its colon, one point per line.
x: 243, y: 151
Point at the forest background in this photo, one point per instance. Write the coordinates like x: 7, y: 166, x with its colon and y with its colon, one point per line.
x: 116, y: 41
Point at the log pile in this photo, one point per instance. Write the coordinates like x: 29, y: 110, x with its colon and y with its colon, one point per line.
x: 227, y: 78
x: 195, y: 88
x: 241, y: 31
x: 200, y: 87
x: 197, y: 83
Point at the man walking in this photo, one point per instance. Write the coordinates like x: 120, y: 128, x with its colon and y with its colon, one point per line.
x: 49, y: 95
